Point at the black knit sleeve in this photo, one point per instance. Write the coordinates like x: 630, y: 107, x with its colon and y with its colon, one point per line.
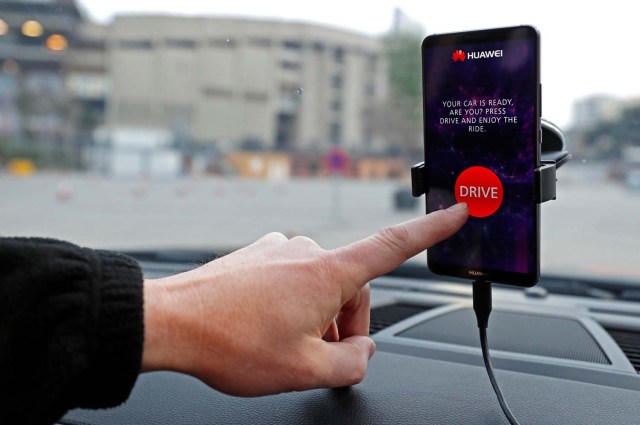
x: 71, y: 329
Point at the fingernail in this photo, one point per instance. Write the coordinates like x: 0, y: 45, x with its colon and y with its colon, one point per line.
x: 372, y: 349
x: 462, y: 206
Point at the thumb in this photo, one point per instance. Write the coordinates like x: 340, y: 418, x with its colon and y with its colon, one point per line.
x: 347, y: 361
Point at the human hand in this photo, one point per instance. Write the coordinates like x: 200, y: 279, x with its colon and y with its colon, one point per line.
x: 280, y: 315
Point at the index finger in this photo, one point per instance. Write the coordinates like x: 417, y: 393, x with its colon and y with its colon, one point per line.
x: 389, y: 248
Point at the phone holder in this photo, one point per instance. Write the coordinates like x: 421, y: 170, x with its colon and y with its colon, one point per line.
x: 554, y: 155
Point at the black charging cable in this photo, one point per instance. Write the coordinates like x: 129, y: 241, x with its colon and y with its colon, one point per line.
x: 482, y: 308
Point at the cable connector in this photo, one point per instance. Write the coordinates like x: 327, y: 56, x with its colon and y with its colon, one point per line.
x: 482, y: 302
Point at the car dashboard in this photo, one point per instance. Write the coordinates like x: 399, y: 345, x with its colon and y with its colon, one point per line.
x: 559, y: 359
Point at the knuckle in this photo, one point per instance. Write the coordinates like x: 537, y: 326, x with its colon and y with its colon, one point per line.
x: 396, y: 237
x: 314, y: 258
x: 272, y: 238
x: 304, y: 241
x: 275, y: 236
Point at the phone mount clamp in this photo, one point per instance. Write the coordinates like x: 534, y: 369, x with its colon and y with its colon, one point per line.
x: 545, y: 176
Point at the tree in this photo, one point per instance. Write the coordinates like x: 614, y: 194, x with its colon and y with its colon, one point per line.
x: 399, y: 118
x: 404, y: 57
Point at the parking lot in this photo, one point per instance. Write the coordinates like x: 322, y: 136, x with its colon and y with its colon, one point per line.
x: 593, y: 227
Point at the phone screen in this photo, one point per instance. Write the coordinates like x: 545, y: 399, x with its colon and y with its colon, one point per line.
x: 481, y: 125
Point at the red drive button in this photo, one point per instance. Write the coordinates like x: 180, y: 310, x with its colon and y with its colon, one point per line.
x: 481, y: 189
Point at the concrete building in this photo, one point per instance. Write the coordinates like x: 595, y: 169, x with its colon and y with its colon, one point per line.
x: 594, y: 110
x: 34, y: 40
x: 86, y: 81
x: 240, y: 83
x: 603, y: 126
x: 53, y: 80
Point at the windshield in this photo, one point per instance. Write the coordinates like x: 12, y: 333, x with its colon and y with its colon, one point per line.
x: 204, y: 125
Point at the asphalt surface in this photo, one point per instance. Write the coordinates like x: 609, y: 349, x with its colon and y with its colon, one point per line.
x: 593, y: 227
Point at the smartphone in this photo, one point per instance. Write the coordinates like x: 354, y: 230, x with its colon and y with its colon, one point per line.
x: 481, y: 92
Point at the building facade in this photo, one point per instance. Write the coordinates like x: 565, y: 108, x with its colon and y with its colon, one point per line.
x: 34, y: 37
x: 231, y: 84
x: 51, y: 57
x: 595, y: 110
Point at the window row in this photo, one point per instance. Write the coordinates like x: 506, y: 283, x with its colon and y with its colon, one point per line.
x: 338, y: 52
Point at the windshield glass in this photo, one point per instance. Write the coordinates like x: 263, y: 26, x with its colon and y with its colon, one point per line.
x: 204, y: 125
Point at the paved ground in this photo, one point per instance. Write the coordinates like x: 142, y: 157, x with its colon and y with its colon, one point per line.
x: 594, y: 226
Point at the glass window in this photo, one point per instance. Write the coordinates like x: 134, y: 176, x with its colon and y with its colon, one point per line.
x: 135, y: 44
x: 291, y: 81
x: 290, y: 65
x: 260, y: 42
x: 292, y: 45
x: 181, y: 43
x: 223, y: 42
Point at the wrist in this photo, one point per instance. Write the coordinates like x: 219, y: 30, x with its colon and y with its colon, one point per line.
x: 156, y: 328
x: 171, y: 324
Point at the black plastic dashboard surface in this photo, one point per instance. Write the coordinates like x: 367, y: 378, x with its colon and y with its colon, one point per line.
x: 398, y: 389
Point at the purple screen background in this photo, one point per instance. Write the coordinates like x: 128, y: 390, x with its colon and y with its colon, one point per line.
x: 506, y: 240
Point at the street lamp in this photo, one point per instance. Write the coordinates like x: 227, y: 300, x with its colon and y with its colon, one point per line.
x: 57, y: 42
x: 32, y: 28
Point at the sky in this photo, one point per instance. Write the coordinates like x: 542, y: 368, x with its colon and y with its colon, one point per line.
x: 586, y: 48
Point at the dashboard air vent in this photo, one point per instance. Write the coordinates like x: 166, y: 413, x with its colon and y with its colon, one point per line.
x: 384, y: 316
x: 629, y: 342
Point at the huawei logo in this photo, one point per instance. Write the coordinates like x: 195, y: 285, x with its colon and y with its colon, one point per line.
x: 461, y: 56
x: 458, y: 55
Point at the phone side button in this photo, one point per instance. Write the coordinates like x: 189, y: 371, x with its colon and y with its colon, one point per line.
x: 540, y: 99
